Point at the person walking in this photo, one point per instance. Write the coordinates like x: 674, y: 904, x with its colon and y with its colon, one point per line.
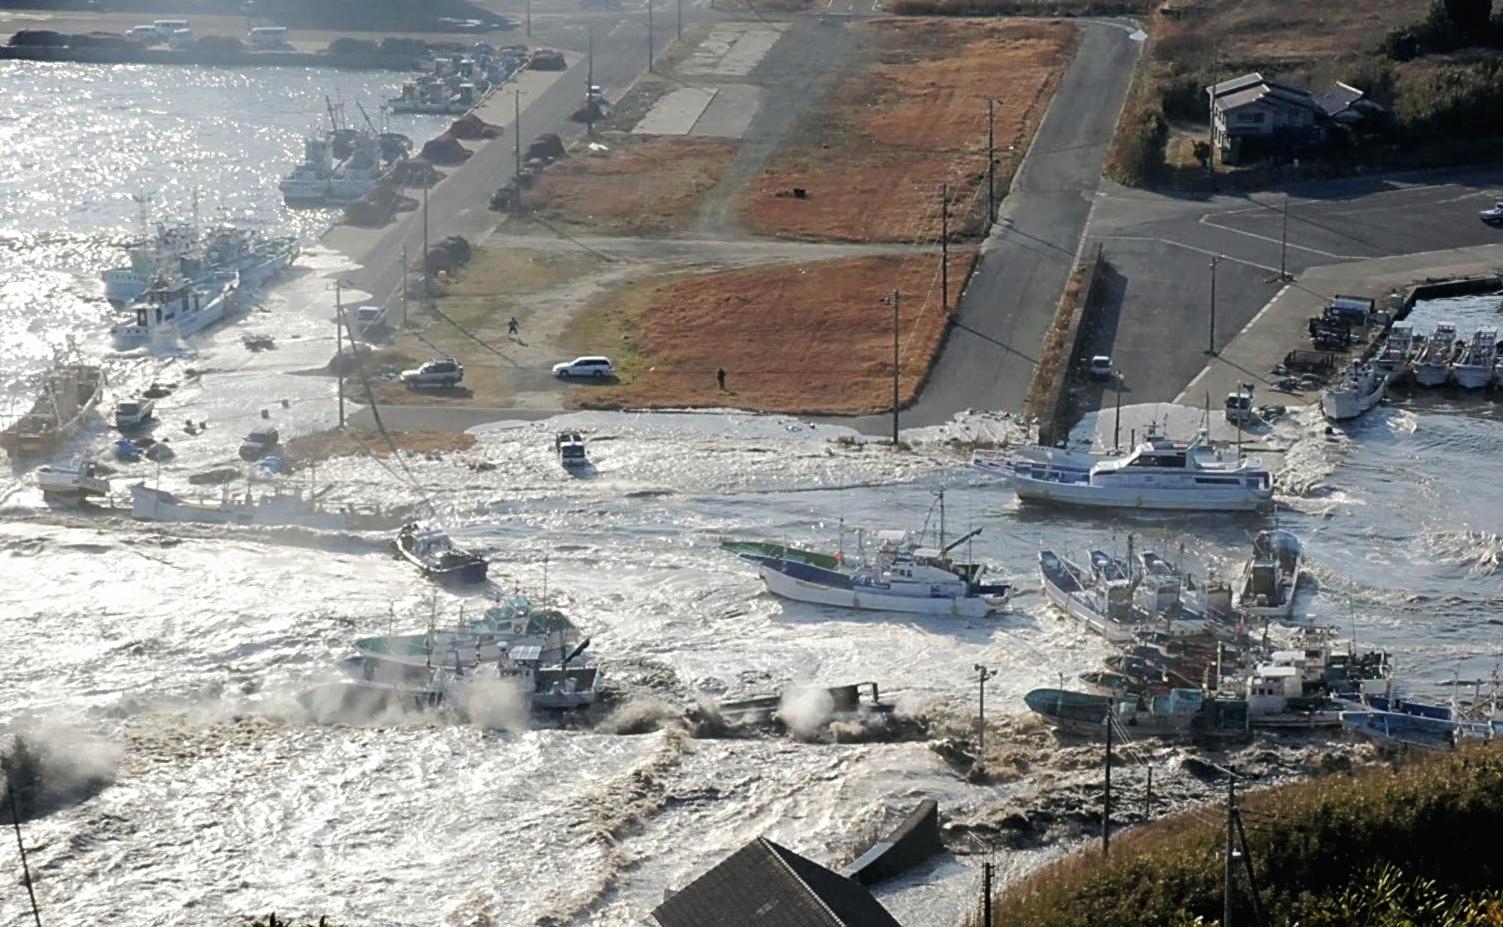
x: 512, y: 327
x: 720, y: 378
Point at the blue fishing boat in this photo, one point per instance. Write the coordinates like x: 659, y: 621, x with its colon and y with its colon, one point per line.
x: 1400, y: 730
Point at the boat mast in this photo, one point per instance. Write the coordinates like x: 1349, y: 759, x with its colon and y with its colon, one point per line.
x: 941, y: 520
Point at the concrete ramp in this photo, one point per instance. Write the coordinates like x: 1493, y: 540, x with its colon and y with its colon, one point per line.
x: 733, y: 49
x: 676, y: 113
x: 912, y: 842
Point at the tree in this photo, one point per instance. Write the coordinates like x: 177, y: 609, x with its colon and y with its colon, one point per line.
x: 1470, y: 16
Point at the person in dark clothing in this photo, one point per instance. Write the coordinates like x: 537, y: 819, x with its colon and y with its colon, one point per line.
x: 511, y: 327
x: 720, y: 378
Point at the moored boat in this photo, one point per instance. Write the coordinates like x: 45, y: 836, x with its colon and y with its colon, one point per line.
x: 1432, y: 365
x: 1473, y: 367
x: 435, y: 555
x: 179, y: 310
x: 1397, y: 348
x: 1158, y: 474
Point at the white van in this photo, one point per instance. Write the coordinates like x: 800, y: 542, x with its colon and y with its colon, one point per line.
x: 146, y: 35
x: 267, y: 37
x: 166, y: 27
x: 180, y: 38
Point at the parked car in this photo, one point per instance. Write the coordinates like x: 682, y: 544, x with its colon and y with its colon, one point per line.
x: 595, y: 95
x: 1494, y: 216
x: 1100, y: 367
x: 259, y: 443
x: 436, y: 373
x: 584, y: 367
x: 366, y: 316
x: 146, y: 35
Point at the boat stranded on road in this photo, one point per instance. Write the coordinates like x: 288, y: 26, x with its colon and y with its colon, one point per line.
x: 1159, y: 474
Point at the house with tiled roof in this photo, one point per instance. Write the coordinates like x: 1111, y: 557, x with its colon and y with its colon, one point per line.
x: 1254, y: 116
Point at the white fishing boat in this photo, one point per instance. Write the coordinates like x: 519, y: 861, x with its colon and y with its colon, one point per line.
x: 1473, y: 368
x: 308, y: 184
x: 78, y: 481
x: 1360, y: 388
x: 1158, y: 474
x: 277, y: 506
x: 178, y: 311
x: 1276, y: 699
x: 150, y: 262
x: 1432, y: 366
x: 902, y: 576
x: 1271, y: 575
x: 1396, y: 349
x: 515, y: 675
x: 1100, y: 601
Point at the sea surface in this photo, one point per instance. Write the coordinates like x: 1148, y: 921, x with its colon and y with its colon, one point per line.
x: 160, y: 665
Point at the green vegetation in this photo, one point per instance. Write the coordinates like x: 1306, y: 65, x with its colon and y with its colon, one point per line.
x: 1411, y: 847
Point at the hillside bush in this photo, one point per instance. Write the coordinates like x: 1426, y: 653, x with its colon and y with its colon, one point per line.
x: 349, y: 46
x: 1383, y: 847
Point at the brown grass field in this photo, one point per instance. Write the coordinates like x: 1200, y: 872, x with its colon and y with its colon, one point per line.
x: 873, y: 157
x: 643, y: 185
x: 806, y: 338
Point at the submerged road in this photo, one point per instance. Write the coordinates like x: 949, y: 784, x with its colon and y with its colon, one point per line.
x: 994, y: 344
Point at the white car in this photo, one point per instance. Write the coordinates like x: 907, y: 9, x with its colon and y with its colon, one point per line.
x: 584, y: 367
x: 595, y: 94
x: 1100, y: 367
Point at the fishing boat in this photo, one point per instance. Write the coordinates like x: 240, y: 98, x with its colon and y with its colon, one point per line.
x: 1277, y: 698
x: 67, y: 393
x: 1432, y: 366
x: 1396, y: 349
x: 179, y: 310
x: 909, y: 579
x: 435, y: 555
x: 308, y: 184
x: 181, y: 257
x: 279, y: 506
x: 78, y: 481
x: 1396, y: 730
x: 563, y: 687
x: 1158, y: 474
x: 514, y: 621
x: 571, y: 450
x: 1102, y: 601
x: 1271, y: 575
x: 1180, y: 713
x: 1360, y: 388
x: 1473, y: 367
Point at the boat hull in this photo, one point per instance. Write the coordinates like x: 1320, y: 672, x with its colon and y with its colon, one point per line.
x: 154, y: 505
x: 1080, y: 610
x: 1342, y: 404
x: 1472, y: 377
x: 1084, y: 494
x: 871, y: 599
x: 1431, y: 374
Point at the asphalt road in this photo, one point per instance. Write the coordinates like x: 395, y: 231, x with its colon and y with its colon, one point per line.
x: 460, y: 204
x: 993, y: 347
x: 1158, y: 325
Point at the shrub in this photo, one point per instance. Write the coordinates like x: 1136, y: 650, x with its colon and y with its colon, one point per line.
x: 397, y: 46
x: 39, y: 37
x: 219, y: 43
x: 349, y: 46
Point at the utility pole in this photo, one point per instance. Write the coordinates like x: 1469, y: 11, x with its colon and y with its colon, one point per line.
x: 649, y: 36
x: 991, y: 163
x: 680, y: 19
x: 897, y: 299
x: 982, y: 675
x: 1148, y: 797
x: 405, y: 270
x: 516, y: 125
x: 986, y: 893
x: 427, y: 283
x: 944, y: 247
x: 1284, y: 243
x: 1117, y: 425
x: 529, y: 18
x: 15, y: 819
x: 590, y: 103
x: 1106, y: 796
x: 1226, y: 883
x: 1211, y: 345
x: 339, y: 345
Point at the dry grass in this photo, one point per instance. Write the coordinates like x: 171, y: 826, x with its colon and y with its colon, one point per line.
x: 324, y: 445
x: 644, y: 185
x: 1055, y: 356
x: 807, y: 338
x: 911, y: 118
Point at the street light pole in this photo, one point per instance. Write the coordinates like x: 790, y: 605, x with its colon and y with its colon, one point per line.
x: 529, y: 18
x: 339, y: 344
x: 1211, y: 345
x: 1117, y: 426
x: 1284, y: 243
x: 944, y: 247
x: 897, y: 299
x: 405, y: 267
x: 649, y: 37
x: 680, y: 19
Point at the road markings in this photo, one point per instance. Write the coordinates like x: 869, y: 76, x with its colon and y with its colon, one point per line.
x: 1179, y: 244
x: 1206, y: 220
x: 1179, y: 400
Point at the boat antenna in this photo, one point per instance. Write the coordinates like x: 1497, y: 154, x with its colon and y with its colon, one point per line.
x: 941, y: 519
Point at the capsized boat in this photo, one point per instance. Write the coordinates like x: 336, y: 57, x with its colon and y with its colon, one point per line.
x: 1271, y: 575
x: 1360, y: 388
x: 278, y: 506
x: 66, y: 394
x: 1158, y: 474
x: 434, y: 554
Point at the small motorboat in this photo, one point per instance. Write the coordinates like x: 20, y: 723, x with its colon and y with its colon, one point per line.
x: 1493, y: 216
x: 432, y: 552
